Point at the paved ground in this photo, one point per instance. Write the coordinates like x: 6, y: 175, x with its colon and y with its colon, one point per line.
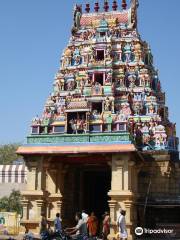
x: 20, y: 237
x: 2, y: 237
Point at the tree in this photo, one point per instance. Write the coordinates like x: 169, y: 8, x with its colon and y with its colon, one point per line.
x: 11, y: 203
x: 8, y: 153
x: 4, y: 204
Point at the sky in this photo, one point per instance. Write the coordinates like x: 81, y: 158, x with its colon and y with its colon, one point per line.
x: 33, y: 34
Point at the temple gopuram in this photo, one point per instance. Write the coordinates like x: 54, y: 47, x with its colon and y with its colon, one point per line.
x: 104, y: 141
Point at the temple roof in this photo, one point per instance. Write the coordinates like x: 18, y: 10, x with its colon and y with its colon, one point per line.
x: 106, y: 94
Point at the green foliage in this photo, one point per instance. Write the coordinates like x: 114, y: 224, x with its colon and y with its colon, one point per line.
x: 4, y: 204
x: 8, y: 153
x: 11, y: 203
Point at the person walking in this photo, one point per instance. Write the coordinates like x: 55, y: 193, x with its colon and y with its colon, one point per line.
x: 43, y: 226
x: 121, y: 223
x: 85, y: 216
x: 106, y: 225
x: 92, y: 224
x: 57, y: 224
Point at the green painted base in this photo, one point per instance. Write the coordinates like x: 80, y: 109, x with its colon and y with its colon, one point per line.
x: 69, y: 138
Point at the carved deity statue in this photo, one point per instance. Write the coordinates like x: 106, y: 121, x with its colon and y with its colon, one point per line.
x: 137, y: 108
x: 125, y: 109
x: 108, y: 79
x: 61, y: 84
x: 132, y: 80
x: 77, y: 16
x: 145, y: 79
x: 36, y: 120
x: 107, y: 104
x: 127, y: 51
x: 97, y: 89
x: 76, y: 57
x: 151, y: 109
x: 138, y: 52
x: 67, y: 57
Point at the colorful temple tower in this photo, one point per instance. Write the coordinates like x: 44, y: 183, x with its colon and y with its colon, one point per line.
x: 104, y: 140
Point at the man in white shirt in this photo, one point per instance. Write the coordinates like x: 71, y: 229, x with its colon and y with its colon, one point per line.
x: 80, y: 229
x: 85, y: 216
x: 121, y: 223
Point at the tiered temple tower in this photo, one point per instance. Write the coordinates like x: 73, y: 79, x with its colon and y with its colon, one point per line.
x: 104, y: 131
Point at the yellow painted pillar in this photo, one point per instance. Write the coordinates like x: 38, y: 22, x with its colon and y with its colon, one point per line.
x: 123, y: 191
x: 112, y: 207
x: 40, y: 209
x: 31, y: 178
x: 33, y: 195
x: 54, y: 186
x: 25, y: 204
x: 51, y: 181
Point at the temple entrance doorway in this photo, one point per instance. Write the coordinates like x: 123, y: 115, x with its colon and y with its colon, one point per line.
x: 86, y: 187
x: 96, y: 185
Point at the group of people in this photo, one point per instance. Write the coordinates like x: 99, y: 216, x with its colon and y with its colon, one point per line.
x: 78, y: 125
x: 87, y: 226
x: 45, y: 227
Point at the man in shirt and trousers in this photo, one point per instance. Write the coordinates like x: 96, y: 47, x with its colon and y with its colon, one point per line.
x: 85, y: 216
x: 121, y: 223
x: 57, y: 224
x: 80, y: 229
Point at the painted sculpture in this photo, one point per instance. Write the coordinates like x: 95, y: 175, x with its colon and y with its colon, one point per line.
x: 107, y: 80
